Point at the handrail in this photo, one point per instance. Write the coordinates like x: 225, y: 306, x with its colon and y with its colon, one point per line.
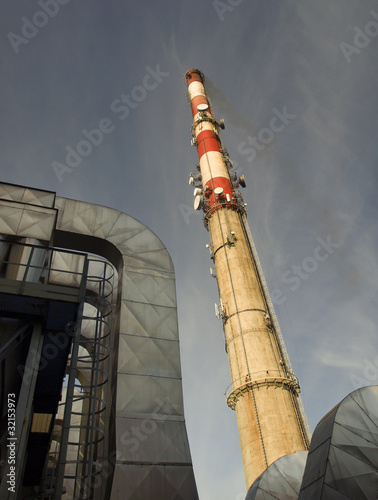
x: 260, y: 375
x: 46, y: 272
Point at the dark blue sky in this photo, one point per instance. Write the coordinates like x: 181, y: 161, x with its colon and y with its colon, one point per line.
x: 310, y: 176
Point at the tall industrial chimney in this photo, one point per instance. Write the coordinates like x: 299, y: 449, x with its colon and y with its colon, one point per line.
x: 264, y: 390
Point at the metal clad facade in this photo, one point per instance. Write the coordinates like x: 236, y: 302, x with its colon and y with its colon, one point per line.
x: 343, y: 460
x: 145, y: 453
x: 152, y: 457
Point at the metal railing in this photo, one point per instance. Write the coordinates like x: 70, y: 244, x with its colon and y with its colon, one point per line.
x: 250, y: 378
x: 24, y: 265
x: 83, y: 426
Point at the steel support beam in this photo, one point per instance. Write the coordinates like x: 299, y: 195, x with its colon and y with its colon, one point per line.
x: 23, y: 417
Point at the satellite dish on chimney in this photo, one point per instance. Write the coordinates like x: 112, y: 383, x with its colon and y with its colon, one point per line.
x: 217, y: 313
x: 202, y: 107
x: 218, y: 191
x: 198, y: 202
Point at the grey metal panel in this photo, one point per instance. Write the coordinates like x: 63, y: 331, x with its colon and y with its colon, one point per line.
x: 149, y: 287
x: 154, y: 482
x: 282, y: 479
x: 111, y: 222
x: 316, y: 467
x: 350, y: 476
x: 324, y: 427
x: 140, y: 247
x: 362, y: 409
x: 149, y: 320
x: 66, y: 268
x: 314, y: 490
x: 75, y: 217
x: 132, y: 236
x: 25, y: 262
x: 155, y: 259
x: 152, y: 441
x: 146, y: 356
x: 26, y: 220
x: 329, y: 493
x: 27, y: 195
x: 139, y: 396
x: 348, y: 440
x: 11, y: 192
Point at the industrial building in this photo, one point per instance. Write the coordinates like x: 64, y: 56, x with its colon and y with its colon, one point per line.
x: 91, y: 394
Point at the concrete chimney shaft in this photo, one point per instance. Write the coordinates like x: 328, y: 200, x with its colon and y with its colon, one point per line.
x: 264, y: 392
